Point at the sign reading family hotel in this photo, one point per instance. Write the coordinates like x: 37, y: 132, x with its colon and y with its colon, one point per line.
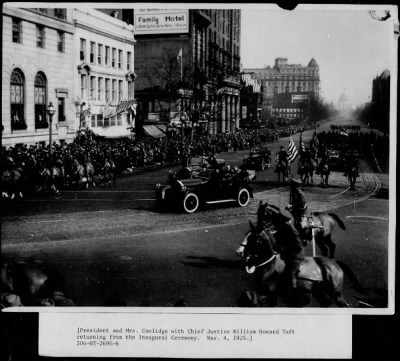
x: 161, y: 21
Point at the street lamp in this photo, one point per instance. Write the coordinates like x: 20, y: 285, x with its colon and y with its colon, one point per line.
x: 50, y: 111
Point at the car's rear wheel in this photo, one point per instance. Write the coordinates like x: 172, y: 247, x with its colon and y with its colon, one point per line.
x: 191, y: 203
x: 243, y: 197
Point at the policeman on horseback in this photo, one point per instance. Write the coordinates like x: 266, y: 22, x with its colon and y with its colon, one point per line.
x: 298, y: 206
x: 291, y: 246
x: 282, y: 164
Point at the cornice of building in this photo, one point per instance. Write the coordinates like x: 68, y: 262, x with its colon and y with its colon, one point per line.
x: 29, y: 15
x: 106, y: 34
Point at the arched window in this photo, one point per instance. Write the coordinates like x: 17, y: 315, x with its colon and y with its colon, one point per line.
x: 17, y: 91
x: 40, y: 101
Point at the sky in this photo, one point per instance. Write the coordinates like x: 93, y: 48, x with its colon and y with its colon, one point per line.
x: 349, y: 46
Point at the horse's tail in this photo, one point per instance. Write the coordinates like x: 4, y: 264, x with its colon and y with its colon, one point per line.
x: 338, y: 220
x: 353, y: 278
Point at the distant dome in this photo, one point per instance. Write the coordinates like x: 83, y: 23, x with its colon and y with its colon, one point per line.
x: 313, y: 63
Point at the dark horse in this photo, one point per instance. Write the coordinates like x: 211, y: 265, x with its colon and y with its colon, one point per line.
x: 282, y: 168
x: 318, y: 276
x: 321, y: 223
x: 31, y: 284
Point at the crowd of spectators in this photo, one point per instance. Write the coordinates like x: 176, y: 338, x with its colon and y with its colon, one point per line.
x: 89, y: 160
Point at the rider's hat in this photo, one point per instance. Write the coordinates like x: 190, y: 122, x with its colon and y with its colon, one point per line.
x: 295, y: 182
x: 286, y: 215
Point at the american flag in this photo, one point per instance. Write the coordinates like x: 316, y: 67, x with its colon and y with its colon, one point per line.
x: 302, y: 145
x: 292, y: 151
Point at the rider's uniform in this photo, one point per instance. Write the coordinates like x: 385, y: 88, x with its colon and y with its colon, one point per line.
x: 298, y: 207
x: 292, y: 250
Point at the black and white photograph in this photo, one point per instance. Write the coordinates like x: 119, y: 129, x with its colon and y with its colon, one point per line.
x: 209, y: 159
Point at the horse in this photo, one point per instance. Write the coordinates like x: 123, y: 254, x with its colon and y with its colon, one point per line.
x: 324, y: 171
x: 31, y: 284
x: 352, y: 175
x: 282, y: 168
x: 306, y: 171
x: 318, y: 276
x: 321, y: 222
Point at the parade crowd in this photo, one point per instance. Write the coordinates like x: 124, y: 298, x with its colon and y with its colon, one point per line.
x: 90, y: 160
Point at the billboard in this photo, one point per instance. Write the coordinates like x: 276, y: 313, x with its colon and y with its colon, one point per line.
x: 299, y: 98
x: 161, y: 21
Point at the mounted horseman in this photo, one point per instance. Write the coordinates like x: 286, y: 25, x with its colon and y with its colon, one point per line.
x: 298, y: 207
x: 282, y: 165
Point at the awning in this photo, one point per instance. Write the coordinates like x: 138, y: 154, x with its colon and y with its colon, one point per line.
x: 153, y: 131
x: 112, y: 132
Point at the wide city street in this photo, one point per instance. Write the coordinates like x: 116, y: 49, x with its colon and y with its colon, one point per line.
x: 114, y: 247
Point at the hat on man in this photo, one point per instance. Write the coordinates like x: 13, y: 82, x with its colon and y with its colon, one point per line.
x: 295, y: 182
x: 286, y: 215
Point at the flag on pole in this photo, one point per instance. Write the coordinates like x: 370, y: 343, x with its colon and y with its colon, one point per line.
x: 292, y: 151
x: 179, y: 58
x: 302, y: 145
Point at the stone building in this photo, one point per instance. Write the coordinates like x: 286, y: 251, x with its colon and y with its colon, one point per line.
x: 104, y: 74
x: 187, y: 63
x: 287, y: 88
x: 38, y: 48
x: 250, y: 102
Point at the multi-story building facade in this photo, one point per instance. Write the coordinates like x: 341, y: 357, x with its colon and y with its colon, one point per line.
x: 37, y: 66
x: 104, y: 73
x: 190, y: 73
x: 250, y: 102
x: 287, y: 88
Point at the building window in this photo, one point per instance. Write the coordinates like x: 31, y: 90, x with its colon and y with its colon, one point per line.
x: 93, y: 118
x: 130, y: 90
x: 16, y: 31
x: 99, y: 54
x: 120, y: 90
x: 83, y: 86
x: 60, y: 14
x: 114, y: 90
x: 119, y: 59
x: 100, y: 89
x: 61, y: 109
x: 92, y: 88
x: 100, y: 122
x: 107, y: 90
x: 128, y: 60
x: 60, y: 41
x: 92, y: 52
x: 17, y: 90
x: 107, y: 62
x: 40, y: 101
x: 83, y: 50
x: 40, y: 36
x: 114, y: 56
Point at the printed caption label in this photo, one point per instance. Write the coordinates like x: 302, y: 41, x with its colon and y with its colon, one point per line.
x: 194, y: 335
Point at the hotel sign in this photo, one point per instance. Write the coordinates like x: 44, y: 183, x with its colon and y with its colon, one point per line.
x: 161, y: 21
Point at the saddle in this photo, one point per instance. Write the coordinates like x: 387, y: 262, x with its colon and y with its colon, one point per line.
x: 309, y: 270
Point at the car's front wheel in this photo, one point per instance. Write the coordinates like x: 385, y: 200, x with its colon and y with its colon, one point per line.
x: 191, y: 203
x: 243, y: 197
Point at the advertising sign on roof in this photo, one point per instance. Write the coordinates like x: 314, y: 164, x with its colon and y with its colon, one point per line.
x: 299, y: 98
x: 161, y: 21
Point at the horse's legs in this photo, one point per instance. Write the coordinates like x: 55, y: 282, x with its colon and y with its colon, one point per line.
x: 322, y: 245
x: 331, y: 245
